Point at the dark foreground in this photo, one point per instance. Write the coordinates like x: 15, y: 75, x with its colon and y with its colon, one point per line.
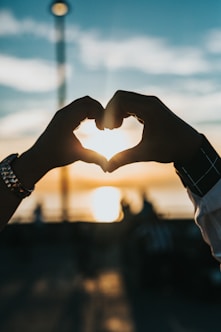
x: 157, y: 276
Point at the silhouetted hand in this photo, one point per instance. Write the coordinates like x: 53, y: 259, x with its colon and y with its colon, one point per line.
x: 166, y: 138
x: 58, y: 146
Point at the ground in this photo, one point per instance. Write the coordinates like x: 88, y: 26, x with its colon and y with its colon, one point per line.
x: 86, y: 278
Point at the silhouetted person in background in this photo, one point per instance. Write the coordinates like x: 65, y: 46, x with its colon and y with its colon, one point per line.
x: 38, y: 214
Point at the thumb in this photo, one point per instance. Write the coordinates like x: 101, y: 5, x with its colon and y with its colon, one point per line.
x: 91, y: 156
x: 123, y: 158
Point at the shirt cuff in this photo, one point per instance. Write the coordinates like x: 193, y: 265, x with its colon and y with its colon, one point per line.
x: 203, y: 171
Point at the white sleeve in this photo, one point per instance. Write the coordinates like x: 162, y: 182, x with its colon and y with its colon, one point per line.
x: 208, y: 217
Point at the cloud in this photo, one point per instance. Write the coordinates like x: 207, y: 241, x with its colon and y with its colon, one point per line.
x: 10, y: 25
x: 195, y: 106
x: 29, y: 75
x: 23, y: 123
x: 144, y: 53
x: 213, y: 41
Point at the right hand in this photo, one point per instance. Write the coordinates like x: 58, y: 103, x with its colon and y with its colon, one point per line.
x: 166, y: 138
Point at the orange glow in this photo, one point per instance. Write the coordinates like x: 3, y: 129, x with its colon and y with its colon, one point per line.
x: 109, y: 142
x: 106, y: 204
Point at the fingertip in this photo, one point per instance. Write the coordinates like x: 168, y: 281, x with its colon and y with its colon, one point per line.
x: 101, y: 161
x: 92, y: 157
x: 110, y: 170
x: 99, y: 124
x: 112, y: 123
x: 104, y: 164
x: 112, y: 166
x: 121, y: 159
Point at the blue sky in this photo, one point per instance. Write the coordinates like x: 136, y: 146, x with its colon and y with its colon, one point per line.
x: 168, y: 48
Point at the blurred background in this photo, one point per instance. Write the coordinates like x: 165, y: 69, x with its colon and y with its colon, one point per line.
x: 89, y: 251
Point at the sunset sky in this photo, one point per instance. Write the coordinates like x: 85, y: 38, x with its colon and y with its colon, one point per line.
x: 171, y: 49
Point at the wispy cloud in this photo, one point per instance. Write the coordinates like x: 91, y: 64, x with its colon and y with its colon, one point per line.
x: 213, y: 41
x: 144, y: 53
x: 29, y: 75
x: 10, y: 25
x: 200, y: 105
x: 23, y: 123
x: 148, y: 54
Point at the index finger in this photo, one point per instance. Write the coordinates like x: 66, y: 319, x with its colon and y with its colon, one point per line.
x: 79, y: 110
x: 116, y: 110
x: 124, y: 103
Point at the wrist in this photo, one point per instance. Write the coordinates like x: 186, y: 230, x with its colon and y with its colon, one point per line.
x: 189, y: 145
x: 202, y: 171
x: 29, y: 168
x: 11, y: 180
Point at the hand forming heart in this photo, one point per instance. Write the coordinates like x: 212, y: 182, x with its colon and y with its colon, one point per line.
x: 57, y: 146
x: 166, y: 138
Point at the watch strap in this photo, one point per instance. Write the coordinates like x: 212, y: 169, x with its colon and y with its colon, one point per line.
x: 10, y: 179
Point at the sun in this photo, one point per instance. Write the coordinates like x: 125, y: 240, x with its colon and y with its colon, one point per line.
x: 109, y: 142
x: 106, y: 204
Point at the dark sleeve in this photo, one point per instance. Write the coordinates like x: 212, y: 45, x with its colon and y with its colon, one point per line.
x: 203, y: 171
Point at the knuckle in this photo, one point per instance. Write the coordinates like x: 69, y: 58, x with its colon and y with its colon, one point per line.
x: 60, y: 114
x: 153, y: 98
x: 86, y: 99
x: 119, y: 95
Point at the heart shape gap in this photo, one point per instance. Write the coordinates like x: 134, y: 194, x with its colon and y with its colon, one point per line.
x: 109, y: 142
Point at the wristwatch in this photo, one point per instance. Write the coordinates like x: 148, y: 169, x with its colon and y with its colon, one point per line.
x: 10, y: 179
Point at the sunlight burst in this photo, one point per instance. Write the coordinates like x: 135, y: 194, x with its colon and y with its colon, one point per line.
x: 106, y: 204
x: 109, y: 142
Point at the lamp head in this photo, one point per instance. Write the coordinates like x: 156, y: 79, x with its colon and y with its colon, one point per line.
x: 60, y: 8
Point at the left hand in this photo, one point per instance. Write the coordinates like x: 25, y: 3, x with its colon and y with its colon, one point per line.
x: 58, y: 146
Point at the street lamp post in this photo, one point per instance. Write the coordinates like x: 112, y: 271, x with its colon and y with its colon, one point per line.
x: 59, y: 10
